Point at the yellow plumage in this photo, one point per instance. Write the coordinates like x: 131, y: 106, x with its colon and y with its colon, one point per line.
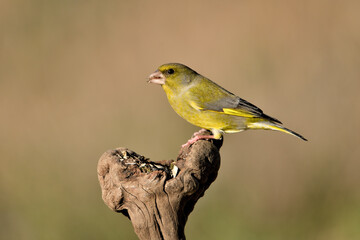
x: 207, y: 105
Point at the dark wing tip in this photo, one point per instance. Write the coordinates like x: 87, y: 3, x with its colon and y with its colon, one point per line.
x: 267, y: 117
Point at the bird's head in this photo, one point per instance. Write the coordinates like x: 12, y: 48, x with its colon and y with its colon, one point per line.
x: 172, y: 75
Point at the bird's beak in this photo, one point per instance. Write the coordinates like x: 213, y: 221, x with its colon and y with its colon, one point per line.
x: 157, y: 77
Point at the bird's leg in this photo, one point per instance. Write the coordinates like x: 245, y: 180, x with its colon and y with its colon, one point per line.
x: 198, y: 136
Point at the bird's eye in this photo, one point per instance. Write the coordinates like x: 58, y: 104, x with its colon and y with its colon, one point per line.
x: 170, y: 71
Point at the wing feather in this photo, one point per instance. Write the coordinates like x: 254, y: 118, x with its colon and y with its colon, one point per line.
x: 231, y: 104
x: 205, y: 95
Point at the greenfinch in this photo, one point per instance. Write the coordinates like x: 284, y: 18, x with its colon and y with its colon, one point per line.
x: 205, y: 104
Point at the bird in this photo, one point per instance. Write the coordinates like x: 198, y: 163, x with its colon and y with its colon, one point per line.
x: 209, y: 106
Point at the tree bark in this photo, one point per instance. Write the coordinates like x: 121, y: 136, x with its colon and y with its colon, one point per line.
x: 158, y: 196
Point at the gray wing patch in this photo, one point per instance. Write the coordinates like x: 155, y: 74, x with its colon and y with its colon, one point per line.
x: 234, y: 102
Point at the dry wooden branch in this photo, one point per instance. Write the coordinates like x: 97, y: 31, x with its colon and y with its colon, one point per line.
x: 158, y: 196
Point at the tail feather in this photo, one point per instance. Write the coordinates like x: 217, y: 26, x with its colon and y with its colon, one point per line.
x: 274, y: 126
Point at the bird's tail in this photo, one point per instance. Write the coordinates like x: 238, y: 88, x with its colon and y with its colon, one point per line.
x: 273, y: 126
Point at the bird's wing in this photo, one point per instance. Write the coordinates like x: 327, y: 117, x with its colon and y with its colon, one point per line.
x: 223, y: 101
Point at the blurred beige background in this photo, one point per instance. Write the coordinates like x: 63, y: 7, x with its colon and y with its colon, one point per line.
x: 73, y: 85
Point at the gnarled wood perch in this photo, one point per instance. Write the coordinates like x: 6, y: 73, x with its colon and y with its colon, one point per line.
x: 158, y: 196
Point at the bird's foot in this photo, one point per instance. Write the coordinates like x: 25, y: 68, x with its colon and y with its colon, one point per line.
x: 200, y: 132
x: 197, y: 137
